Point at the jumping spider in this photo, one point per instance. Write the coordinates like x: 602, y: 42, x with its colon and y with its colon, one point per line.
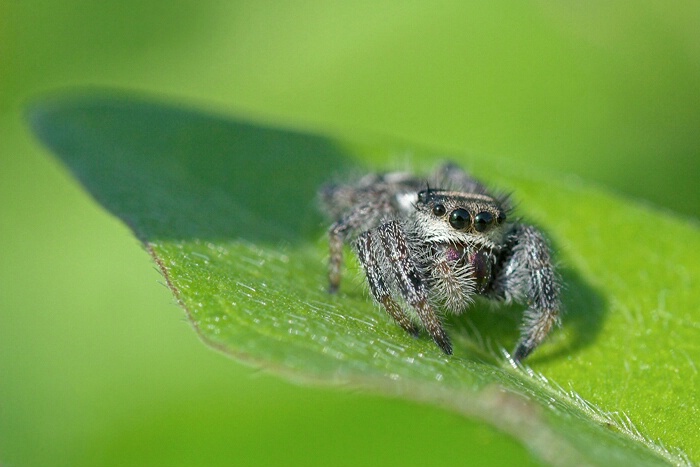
x: 429, y: 245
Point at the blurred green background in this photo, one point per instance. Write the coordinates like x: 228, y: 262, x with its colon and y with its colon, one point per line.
x: 97, y: 364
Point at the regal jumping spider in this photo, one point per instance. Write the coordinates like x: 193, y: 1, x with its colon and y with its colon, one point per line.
x: 431, y: 245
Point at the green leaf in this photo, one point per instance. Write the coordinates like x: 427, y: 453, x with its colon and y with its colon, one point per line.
x: 227, y: 210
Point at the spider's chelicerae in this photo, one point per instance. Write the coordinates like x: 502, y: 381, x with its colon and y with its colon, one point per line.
x: 428, y: 245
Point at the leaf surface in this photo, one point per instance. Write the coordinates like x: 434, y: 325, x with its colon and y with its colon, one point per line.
x: 227, y: 209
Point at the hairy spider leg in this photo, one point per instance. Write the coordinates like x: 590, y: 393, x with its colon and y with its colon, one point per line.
x: 335, y: 245
x: 409, y: 282
x: 359, y: 219
x: 528, y: 275
x: 377, y: 285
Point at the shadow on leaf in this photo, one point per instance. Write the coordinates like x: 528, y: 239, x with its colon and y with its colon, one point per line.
x: 173, y: 173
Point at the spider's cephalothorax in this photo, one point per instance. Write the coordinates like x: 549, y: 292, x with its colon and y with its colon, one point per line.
x: 426, y: 249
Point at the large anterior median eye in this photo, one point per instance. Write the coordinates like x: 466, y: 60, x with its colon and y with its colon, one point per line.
x: 483, y: 221
x: 459, y: 219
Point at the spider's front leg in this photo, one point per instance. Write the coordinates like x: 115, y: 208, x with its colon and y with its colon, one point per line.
x: 528, y: 275
x: 361, y: 218
x: 391, y: 262
x: 372, y: 261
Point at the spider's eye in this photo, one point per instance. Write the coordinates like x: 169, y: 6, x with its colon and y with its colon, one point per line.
x: 483, y: 221
x: 501, y: 217
x: 439, y: 210
x: 459, y: 219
